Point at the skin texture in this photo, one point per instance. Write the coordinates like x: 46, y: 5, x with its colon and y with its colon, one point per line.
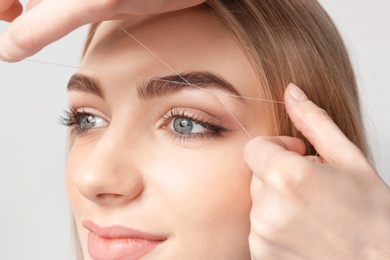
x: 9, y: 9
x: 134, y: 171
x: 332, y: 207
x: 195, y: 192
x: 30, y: 31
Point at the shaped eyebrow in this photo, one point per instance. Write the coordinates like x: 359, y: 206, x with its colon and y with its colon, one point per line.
x: 158, y: 86
x: 84, y: 83
x: 171, y: 84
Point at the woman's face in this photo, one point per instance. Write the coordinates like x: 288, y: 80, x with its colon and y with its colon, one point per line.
x: 156, y: 168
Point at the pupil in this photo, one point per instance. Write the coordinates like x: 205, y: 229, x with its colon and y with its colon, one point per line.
x: 182, y: 125
x: 87, y: 122
x: 91, y: 119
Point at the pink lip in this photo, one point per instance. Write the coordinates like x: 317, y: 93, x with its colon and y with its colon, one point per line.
x: 118, y: 242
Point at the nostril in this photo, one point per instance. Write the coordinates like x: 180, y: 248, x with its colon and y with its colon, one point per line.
x: 102, y: 196
x: 113, y: 199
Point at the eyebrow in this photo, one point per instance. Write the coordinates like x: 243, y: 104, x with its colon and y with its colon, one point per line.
x: 171, y: 84
x: 84, y: 83
x: 158, y: 86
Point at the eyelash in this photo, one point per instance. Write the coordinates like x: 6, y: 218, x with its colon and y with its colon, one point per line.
x: 72, y: 119
x: 216, y: 129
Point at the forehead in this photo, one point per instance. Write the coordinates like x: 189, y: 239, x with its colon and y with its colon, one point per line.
x: 187, y: 40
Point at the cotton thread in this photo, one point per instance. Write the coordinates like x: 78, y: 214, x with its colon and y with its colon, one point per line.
x: 149, y: 78
x: 186, y: 82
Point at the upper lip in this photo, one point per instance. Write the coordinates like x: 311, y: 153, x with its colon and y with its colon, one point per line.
x: 118, y: 231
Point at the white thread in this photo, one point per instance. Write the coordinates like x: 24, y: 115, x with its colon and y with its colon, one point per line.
x: 225, y: 94
x: 185, y: 80
x: 175, y: 72
x: 149, y: 78
x: 68, y: 66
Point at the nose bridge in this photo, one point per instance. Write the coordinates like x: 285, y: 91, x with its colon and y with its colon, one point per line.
x: 110, y: 173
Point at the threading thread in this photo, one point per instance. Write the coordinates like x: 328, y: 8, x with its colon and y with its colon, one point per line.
x: 185, y: 80
x: 151, y: 78
x: 175, y: 72
x: 68, y: 66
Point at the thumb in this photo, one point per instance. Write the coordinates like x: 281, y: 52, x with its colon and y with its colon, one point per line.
x: 47, y: 22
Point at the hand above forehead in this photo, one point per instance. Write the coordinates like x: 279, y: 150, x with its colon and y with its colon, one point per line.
x: 46, y: 21
x: 9, y: 9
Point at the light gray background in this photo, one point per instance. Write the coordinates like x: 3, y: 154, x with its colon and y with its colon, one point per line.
x: 35, y: 216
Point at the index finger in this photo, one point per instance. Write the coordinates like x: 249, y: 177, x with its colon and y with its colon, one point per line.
x: 10, y: 10
x: 44, y: 24
x: 320, y: 130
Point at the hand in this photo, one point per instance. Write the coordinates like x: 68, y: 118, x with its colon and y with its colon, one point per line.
x: 49, y: 20
x: 10, y: 9
x: 330, y: 207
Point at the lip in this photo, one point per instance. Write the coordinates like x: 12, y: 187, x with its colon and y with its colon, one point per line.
x: 118, y: 242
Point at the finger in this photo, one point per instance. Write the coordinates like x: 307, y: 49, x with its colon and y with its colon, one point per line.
x: 6, y: 4
x: 261, y: 148
x: 47, y: 22
x: 315, y: 158
x: 273, y: 159
x: 145, y: 8
x: 32, y: 4
x: 320, y: 130
x: 12, y: 12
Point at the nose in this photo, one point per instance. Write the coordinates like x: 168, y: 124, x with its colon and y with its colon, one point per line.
x: 108, y: 173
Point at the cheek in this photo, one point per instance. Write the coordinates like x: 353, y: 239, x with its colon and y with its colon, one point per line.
x: 76, y: 158
x: 205, y: 189
x: 200, y: 195
x: 208, y: 198
x: 76, y: 200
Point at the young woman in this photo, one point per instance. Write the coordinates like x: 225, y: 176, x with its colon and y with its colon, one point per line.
x: 162, y: 115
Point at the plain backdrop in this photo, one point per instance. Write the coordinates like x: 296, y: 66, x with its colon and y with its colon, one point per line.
x: 35, y: 218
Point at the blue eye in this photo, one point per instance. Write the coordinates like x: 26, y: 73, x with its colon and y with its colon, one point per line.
x: 81, y: 122
x: 183, y: 125
x: 87, y: 122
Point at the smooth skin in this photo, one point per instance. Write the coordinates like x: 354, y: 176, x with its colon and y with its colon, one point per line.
x: 30, y: 31
x: 140, y: 173
x: 334, y: 206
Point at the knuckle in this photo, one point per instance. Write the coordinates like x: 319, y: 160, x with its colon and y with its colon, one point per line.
x: 314, y: 117
x: 259, y: 247
x: 265, y: 231
x: 265, y: 225
x: 318, y: 115
x: 22, y: 38
x: 261, y: 226
x: 289, y: 177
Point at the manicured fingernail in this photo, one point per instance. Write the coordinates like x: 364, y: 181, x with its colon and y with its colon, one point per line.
x: 296, y: 93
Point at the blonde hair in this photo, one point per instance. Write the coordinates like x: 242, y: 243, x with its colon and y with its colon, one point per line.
x: 294, y: 41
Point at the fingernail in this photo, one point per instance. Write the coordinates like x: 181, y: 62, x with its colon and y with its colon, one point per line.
x: 296, y: 93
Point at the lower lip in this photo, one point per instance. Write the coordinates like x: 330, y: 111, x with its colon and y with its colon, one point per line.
x: 100, y: 248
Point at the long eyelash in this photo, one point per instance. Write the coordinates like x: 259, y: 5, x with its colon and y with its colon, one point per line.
x: 216, y: 128
x: 71, y: 119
